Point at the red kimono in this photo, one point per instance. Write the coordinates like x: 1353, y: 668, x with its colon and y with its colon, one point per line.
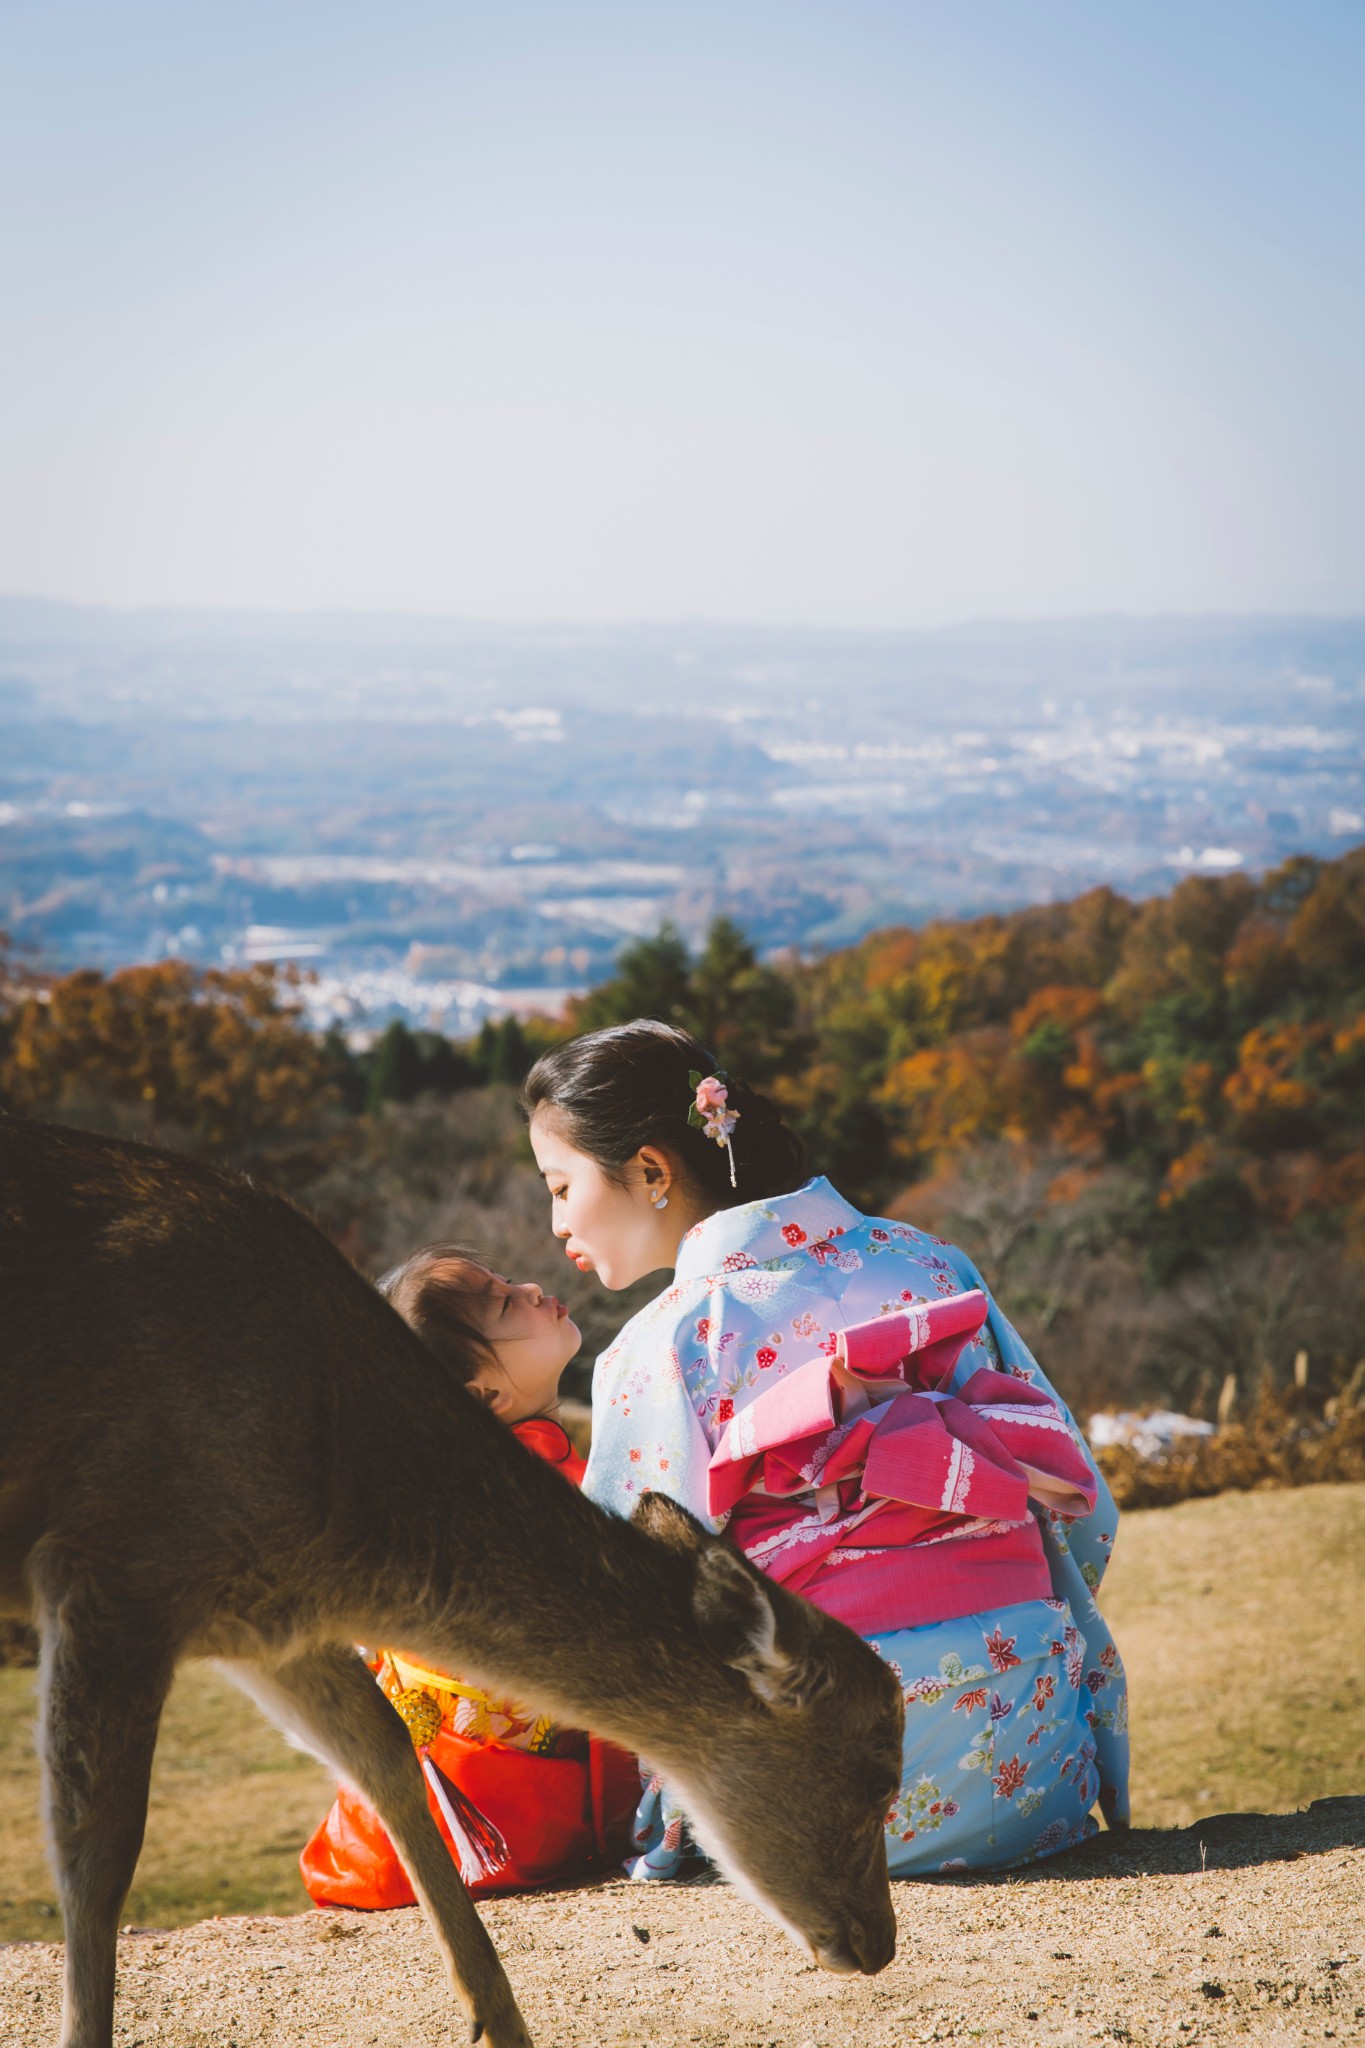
x: 561, y: 1800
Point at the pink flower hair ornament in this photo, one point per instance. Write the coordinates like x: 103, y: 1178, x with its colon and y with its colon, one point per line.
x: 710, y: 1112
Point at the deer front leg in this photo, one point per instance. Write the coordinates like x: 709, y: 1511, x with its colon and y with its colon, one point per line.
x: 327, y: 1699
x: 102, y: 1697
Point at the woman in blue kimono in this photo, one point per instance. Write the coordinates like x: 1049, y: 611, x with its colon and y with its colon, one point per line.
x: 838, y: 1393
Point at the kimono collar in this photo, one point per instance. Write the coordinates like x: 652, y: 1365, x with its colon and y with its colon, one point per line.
x: 754, y: 1229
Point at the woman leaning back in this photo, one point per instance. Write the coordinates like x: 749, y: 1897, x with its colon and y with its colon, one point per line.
x: 839, y: 1394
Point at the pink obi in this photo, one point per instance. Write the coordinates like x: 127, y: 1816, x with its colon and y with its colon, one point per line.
x: 899, y: 1504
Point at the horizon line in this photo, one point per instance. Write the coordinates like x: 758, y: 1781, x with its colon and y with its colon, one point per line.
x: 355, y: 615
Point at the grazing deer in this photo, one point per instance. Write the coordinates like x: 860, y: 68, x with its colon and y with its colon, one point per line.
x: 216, y: 1439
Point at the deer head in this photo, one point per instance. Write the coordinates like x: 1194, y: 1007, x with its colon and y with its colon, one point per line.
x: 808, y: 1849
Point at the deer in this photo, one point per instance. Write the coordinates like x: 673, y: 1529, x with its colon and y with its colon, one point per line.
x: 217, y: 1440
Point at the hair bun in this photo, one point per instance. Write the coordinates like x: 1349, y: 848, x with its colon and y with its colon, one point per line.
x: 751, y: 1102
x: 769, y: 1157
x: 628, y: 1086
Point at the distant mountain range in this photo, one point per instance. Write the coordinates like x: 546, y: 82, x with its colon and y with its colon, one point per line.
x: 445, y: 818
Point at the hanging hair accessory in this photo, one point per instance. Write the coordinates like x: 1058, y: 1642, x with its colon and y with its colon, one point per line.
x: 710, y: 1112
x: 479, y: 1845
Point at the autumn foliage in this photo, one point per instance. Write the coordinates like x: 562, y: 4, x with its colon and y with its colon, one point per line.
x: 1212, y: 1036
x: 1146, y: 1121
x: 215, y: 1057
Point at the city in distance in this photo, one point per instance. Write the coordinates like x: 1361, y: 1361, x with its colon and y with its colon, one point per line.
x: 445, y: 820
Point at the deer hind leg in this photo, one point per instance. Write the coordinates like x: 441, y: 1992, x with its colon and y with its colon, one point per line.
x: 102, y: 1695
x: 326, y: 1699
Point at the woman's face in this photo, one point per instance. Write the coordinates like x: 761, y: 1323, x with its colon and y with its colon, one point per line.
x: 612, y: 1230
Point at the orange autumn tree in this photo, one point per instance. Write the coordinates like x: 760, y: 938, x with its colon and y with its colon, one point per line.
x: 221, y: 1056
x: 948, y: 1097
x: 1192, y: 1038
x: 1272, y: 1091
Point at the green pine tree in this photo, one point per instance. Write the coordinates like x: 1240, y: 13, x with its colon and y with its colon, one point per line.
x: 396, y: 1070
x: 511, y: 1058
x: 653, y: 978
x: 745, y: 1012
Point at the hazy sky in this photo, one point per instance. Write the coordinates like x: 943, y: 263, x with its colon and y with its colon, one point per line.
x: 817, y: 311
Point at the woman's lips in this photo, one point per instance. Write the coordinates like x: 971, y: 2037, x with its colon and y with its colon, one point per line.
x: 578, y: 1259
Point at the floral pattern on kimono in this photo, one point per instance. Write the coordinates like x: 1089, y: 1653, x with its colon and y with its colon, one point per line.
x: 763, y: 1290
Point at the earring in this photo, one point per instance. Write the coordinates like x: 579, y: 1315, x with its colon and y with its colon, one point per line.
x: 658, y: 1198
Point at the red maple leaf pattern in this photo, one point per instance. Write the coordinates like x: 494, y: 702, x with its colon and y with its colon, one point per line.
x: 1010, y: 1777
x: 1000, y: 1650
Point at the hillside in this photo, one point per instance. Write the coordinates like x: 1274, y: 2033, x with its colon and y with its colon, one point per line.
x: 1145, y: 1120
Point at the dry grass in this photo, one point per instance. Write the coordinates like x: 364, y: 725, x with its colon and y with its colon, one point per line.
x: 1242, y: 1622
x: 1279, y: 1444
x: 231, y: 1807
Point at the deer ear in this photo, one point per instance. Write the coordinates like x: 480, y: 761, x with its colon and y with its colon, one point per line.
x: 669, y: 1523
x: 738, y: 1623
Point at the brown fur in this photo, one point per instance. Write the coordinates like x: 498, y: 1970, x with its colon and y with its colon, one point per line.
x: 218, y: 1440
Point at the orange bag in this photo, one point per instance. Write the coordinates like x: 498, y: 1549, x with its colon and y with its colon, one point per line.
x: 556, y: 1815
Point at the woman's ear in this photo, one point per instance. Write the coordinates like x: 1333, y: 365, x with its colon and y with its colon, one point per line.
x: 657, y: 1170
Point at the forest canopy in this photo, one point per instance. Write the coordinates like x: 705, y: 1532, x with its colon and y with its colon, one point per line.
x: 1146, y: 1120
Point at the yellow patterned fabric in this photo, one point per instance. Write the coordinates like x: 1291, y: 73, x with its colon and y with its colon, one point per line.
x: 471, y: 1713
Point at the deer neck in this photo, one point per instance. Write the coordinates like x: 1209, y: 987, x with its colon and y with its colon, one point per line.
x: 554, y: 1604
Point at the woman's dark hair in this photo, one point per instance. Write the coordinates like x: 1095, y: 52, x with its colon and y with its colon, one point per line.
x: 436, y: 1292
x: 616, y: 1090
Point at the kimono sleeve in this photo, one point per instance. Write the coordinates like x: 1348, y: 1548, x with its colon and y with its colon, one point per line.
x: 1088, y: 1539
x: 646, y: 1436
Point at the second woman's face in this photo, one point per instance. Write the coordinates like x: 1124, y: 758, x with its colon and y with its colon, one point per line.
x: 607, y: 1229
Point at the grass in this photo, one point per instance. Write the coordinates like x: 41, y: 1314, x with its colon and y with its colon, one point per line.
x: 1241, y: 1620
x: 1242, y: 1623
x: 231, y: 1807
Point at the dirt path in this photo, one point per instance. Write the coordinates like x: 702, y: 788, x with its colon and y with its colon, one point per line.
x: 1247, y: 1927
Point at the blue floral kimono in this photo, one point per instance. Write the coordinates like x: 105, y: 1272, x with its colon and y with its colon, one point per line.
x: 1016, y: 1715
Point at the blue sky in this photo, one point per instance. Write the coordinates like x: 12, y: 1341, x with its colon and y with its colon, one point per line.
x: 828, y: 313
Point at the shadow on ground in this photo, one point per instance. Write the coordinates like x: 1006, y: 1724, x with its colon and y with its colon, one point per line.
x: 1224, y: 1841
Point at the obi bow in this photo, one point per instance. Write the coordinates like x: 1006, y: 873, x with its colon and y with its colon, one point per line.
x: 872, y: 1430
